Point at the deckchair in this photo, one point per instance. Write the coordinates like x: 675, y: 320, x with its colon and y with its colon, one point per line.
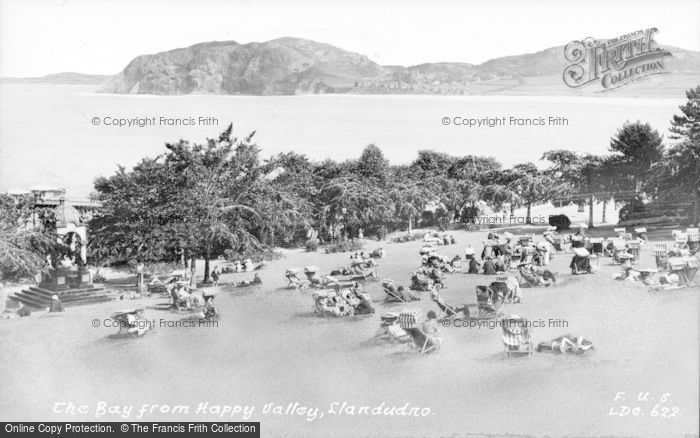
x: 619, y: 246
x: 557, y: 243
x: 340, y: 287
x: 447, y: 312
x: 596, y: 245
x: 685, y: 268
x: 409, y: 320
x: 486, y: 306
x: 693, y: 238
x: 661, y: 255
x: 525, y: 240
x: 423, y: 342
x: 633, y: 248
x: 501, y: 287
x: 392, y: 294
x: 528, y: 254
x: 516, y: 336
x: 421, y: 282
x: 292, y: 276
x: 365, y: 276
x: 680, y: 240
x: 390, y: 330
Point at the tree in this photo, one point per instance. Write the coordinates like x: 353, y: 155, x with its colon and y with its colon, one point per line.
x: 639, y: 147
x: 23, y: 249
x: 530, y: 186
x: 677, y: 178
x: 350, y: 204
x: 372, y: 164
x: 195, y: 200
x: 410, y: 199
x: 686, y: 126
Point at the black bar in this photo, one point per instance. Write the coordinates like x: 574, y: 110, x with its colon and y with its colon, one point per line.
x: 122, y: 430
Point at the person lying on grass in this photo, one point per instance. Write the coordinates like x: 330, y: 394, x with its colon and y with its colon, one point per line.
x: 566, y: 344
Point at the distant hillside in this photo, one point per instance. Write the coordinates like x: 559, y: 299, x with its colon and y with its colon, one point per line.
x: 62, y: 78
x: 282, y: 66
x: 297, y: 66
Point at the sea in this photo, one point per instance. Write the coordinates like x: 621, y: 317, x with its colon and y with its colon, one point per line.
x: 67, y: 135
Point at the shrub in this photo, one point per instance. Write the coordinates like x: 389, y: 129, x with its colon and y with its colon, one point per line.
x: 343, y: 247
x: 561, y: 221
x: 409, y: 237
x: 311, y: 245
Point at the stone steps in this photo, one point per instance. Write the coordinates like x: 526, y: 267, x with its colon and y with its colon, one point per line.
x: 40, y: 298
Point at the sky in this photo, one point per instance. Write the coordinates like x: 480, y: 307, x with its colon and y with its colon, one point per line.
x: 39, y: 37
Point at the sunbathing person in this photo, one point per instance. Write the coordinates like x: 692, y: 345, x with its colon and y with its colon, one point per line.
x: 446, y: 308
x: 364, y: 305
x: 406, y: 294
x: 627, y: 272
x: 534, y: 277
x: 566, y: 344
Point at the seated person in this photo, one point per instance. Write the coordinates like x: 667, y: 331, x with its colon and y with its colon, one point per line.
x: 210, y: 309
x: 56, y: 305
x: 341, y: 307
x: 500, y: 265
x: 406, y: 295
x: 627, y: 272
x: 23, y: 310
x: 197, y: 299
x: 182, y: 298
x: 489, y: 267
x: 257, y: 279
x: 474, y: 266
x: 566, y: 344
x: 469, y: 253
x: 514, y: 292
x: 364, y: 307
x: 581, y: 264
x: 430, y: 329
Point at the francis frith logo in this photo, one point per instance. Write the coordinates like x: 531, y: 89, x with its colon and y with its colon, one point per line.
x: 615, y: 62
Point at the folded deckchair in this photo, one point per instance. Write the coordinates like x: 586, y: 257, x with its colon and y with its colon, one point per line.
x: 516, y: 336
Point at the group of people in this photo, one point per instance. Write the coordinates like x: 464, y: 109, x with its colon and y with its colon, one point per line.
x: 343, y: 302
x: 424, y: 279
x: 245, y: 265
x: 444, y: 263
